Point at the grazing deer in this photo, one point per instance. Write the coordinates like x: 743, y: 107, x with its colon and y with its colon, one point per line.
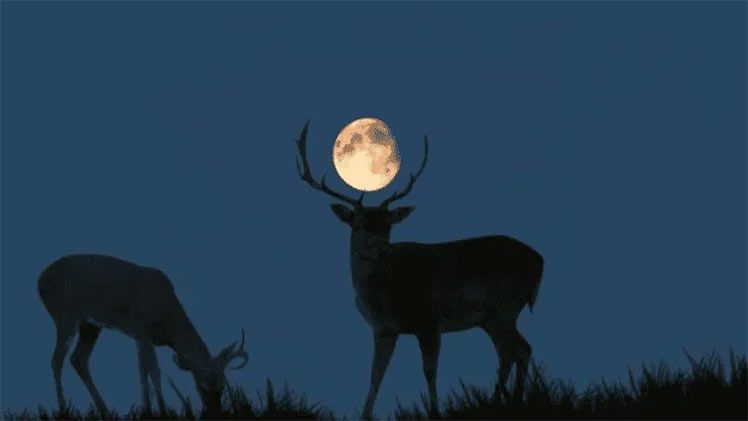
x: 430, y: 289
x: 86, y: 292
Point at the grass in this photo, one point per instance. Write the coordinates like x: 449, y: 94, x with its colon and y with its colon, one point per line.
x: 283, y: 405
x: 705, y: 391
x: 708, y: 390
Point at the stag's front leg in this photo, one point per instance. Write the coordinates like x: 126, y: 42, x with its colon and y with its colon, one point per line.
x: 384, y: 345
x: 143, y: 367
x: 430, y: 343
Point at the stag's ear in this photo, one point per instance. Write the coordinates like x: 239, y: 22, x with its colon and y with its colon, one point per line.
x: 343, y: 212
x: 182, y: 363
x: 397, y: 215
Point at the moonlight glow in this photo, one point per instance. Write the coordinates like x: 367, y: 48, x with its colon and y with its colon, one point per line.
x: 365, y: 154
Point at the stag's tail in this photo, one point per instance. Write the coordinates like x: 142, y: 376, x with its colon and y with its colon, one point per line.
x: 537, y: 277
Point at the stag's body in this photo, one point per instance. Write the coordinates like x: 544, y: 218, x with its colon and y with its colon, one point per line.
x: 444, y: 287
x: 87, y: 292
x: 429, y: 289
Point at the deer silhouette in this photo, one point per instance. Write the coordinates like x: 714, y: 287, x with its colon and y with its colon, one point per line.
x: 429, y: 289
x: 87, y: 292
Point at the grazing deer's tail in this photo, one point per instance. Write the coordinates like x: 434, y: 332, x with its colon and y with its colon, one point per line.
x: 536, y: 284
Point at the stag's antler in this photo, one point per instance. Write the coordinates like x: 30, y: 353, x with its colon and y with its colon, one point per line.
x: 306, y: 174
x: 413, y: 178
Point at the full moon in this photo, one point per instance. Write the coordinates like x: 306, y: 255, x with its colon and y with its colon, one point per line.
x: 365, y: 154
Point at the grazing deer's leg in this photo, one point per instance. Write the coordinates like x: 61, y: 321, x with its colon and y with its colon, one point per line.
x: 151, y: 363
x: 87, y: 336
x: 384, y: 345
x: 430, y: 344
x: 144, y: 369
x: 65, y: 334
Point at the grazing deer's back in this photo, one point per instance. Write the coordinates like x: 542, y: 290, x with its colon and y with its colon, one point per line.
x: 102, y: 289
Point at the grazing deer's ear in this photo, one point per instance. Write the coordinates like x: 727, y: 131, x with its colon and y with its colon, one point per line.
x: 342, y: 212
x: 398, y: 214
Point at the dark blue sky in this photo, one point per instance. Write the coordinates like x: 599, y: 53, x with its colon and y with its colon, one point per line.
x: 610, y: 137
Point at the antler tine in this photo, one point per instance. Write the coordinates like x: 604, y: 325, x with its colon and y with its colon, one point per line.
x: 239, y: 353
x: 245, y: 359
x: 301, y: 144
x: 413, y: 178
x: 306, y: 174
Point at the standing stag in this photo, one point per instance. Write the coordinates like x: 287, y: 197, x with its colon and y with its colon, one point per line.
x: 429, y: 289
x: 84, y: 293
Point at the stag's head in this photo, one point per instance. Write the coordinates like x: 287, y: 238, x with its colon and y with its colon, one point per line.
x: 374, y: 221
x: 210, y: 375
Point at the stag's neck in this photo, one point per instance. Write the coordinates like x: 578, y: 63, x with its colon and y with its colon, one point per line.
x: 186, y: 341
x: 367, y: 252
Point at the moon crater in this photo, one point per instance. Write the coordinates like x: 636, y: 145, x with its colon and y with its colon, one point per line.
x: 365, y: 154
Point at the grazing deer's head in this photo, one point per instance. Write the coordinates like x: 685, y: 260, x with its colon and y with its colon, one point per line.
x: 210, y: 377
x: 372, y: 222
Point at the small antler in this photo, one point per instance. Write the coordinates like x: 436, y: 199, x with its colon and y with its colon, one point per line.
x: 229, y: 353
x: 413, y: 178
x: 306, y: 174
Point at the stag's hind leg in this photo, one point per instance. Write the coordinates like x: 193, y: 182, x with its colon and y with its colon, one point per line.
x: 87, y: 336
x: 512, y: 348
x: 522, y: 354
x: 65, y: 335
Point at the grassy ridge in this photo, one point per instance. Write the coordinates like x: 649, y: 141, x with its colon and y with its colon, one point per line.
x: 286, y: 405
x: 706, y: 391
x: 709, y: 390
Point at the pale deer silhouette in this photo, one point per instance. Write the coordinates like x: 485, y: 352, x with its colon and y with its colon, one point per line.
x: 87, y: 292
x: 430, y: 289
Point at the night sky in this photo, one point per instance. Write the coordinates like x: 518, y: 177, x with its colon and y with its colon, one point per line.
x: 608, y: 136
